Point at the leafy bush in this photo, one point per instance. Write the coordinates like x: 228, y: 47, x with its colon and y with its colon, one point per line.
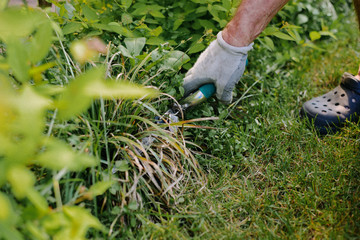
x: 72, y: 155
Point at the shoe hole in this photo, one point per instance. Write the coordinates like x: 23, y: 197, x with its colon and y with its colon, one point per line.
x: 324, y: 111
x: 335, y: 92
x: 317, y: 101
x: 313, y: 103
x: 330, y: 109
x: 329, y: 100
x: 316, y: 107
x: 338, y: 113
x: 342, y: 95
x: 353, y: 100
x: 325, y: 105
x: 324, y: 96
x: 347, y: 107
x: 337, y: 104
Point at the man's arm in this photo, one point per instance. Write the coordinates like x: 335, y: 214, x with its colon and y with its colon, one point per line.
x: 223, y: 61
x: 251, y: 18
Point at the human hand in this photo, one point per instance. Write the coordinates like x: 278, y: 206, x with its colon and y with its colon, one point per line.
x: 220, y: 64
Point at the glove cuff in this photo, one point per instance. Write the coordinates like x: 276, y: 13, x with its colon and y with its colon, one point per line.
x: 233, y: 49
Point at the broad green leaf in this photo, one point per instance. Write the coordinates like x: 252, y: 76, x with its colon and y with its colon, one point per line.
x: 270, y: 31
x: 89, y: 13
x: 122, y: 166
x: 110, y: 89
x: 135, y: 45
x: 126, y: 3
x: 314, y: 35
x: 156, y: 14
x: 116, y: 27
x: 98, y: 188
x: 125, y: 52
x: 156, y: 32
x: 219, y: 8
x: 283, y: 36
x: 75, y: 222
x: 155, y: 41
x: 40, y: 43
x: 72, y: 27
x: 201, y: 9
x: 75, y: 92
x: 21, y: 180
x: 198, y: 47
x: 15, y: 22
x: 226, y: 4
x: 206, y: 24
x: 177, y: 23
x: 37, y: 200
x: 6, y: 209
x: 9, y: 232
x: 133, y: 205
x: 18, y: 60
x: 328, y: 33
x: 58, y: 155
x: 269, y: 43
x: 140, y: 9
x: 126, y: 18
x: 174, y: 60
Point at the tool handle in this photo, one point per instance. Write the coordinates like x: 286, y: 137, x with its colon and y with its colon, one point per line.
x: 208, y: 90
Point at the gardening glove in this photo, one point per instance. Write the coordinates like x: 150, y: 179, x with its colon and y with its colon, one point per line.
x: 220, y: 64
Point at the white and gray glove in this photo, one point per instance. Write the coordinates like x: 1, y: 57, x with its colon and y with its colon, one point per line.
x: 220, y: 64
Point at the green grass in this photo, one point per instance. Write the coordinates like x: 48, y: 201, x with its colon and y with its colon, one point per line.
x: 272, y: 176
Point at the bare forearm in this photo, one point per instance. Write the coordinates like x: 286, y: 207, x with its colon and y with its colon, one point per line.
x: 250, y: 20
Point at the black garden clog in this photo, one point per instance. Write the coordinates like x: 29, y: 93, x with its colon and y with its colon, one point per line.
x: 331, y: 110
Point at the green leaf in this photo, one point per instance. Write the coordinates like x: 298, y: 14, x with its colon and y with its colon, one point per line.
x: 122, y: 166
x: 58, y: 155
x: 314, y: 35
x: 133, y: 205
x: 201, y: 9
x: 76, y: 223
x: 116, y: 27
x: 155, y: 32
x: 156, y: 14
x: 140, y: 9
x: 75, y: 92
x: 174, y: 60
x: 99, y: 188
x: 269, y: 43
x: 126, y: 3
x: 135, y: 45
x: 270, y: 31
x: 198, y: 47
x: 126, y: 18
x: 6, y: 209
x: 18, y: 60
x: 21, y: 180
x: 89, y: 13
x: 72, y: 27
x: 111, y: 90
x: 15, y: 22
x: 283, y: 36
x: 328, y: 33
x: 206, y: 24
x: 177, y: 23
x: 40, y: 43
x: 155, y: 41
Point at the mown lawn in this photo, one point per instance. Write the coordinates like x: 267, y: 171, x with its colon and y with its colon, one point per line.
x: 272, y: 176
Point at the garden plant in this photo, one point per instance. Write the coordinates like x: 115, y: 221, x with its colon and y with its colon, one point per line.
x: 82, y: 83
